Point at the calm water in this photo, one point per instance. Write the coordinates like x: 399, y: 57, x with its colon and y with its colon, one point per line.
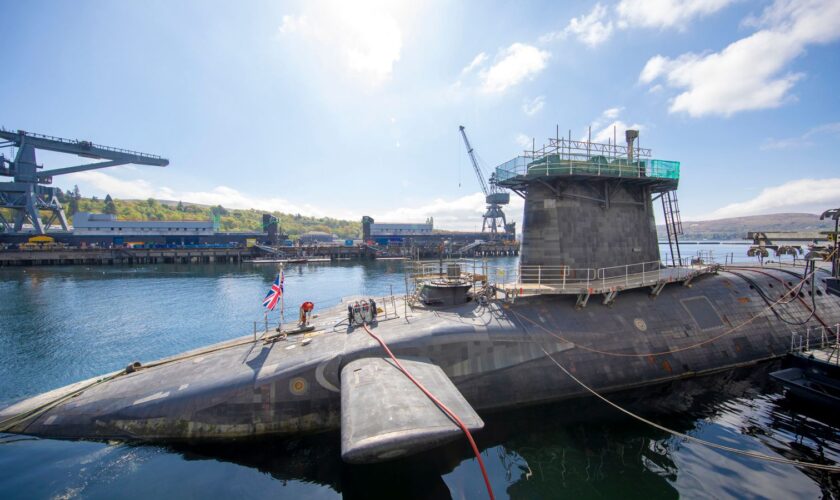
x: 62, y: 324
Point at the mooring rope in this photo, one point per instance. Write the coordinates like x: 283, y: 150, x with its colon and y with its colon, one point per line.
x: 682, y: 435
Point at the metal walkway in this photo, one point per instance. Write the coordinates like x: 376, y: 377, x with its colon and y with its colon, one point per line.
x: 543, y: 280
x: 598, y: 285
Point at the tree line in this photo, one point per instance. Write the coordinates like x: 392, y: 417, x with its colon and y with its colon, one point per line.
x: 229, y: 219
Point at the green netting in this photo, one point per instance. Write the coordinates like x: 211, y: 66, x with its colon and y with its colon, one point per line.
x: 664, y: 169
x: 595, y: 165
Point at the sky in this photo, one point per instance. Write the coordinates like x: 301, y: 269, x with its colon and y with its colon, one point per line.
x: 345, y: 109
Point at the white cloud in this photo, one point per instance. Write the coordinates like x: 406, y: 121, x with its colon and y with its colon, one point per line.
x: 533, y: 106
x: 656, y: 66
x: 611, y: 113
x: 524, y: 141
x: 665, y: 13
x: 295, y: 24
x: 802, y: 195
x: 596, y: 27
x: 614, y: 130
x: 220, y: 195
x: 607, y: 126
x: 552, y: 36
x: 460, y: 214
x: 513, y: 65
x: 749, y: 74
x: 592, y: 29
x: 477, y: 62
x: 366, y: 41
x: 804, y: 140
x: 137, y: 189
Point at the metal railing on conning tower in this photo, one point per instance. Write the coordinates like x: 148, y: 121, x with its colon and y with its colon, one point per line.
x: 565, y: 157
x: 523, y: 168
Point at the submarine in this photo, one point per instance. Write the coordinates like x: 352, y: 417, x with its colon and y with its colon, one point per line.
x: 592, y: 294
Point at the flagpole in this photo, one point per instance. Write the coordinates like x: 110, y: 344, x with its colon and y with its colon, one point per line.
x: 282, y: 296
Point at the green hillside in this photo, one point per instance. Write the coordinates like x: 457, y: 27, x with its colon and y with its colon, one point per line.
x: 229, y: 219
x: 736, y: 228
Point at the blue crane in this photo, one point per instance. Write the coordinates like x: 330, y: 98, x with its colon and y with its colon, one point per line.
x: 28, y: 194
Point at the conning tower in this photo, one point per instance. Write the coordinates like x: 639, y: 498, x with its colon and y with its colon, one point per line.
x: 589, y: 206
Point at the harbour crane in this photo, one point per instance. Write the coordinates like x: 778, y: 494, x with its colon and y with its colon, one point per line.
x: 493, y: 196
x: 28, y: 194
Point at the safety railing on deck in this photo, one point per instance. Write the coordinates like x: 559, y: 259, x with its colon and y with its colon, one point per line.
x: 553, y: 165
x: 556, y: 277
x: 539, y: 279
x: 565, y: 279
x: 815, y: 338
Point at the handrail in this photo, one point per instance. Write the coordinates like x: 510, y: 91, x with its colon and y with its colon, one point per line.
x: 582, y: 165
x: 800, y: 343
x: 560, y: 278
x: 81, y: 142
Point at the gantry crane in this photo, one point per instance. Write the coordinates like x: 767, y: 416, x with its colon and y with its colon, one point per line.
x: 493, y: 195
x: 27, y: 195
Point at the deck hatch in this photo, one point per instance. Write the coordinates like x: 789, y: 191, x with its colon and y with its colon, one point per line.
x: 702, y: 312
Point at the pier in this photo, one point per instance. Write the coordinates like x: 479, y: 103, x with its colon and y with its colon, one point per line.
x: 232, y: 254
x: 113, y: 256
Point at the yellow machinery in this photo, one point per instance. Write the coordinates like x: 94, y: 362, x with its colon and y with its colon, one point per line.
x: 41, y: 242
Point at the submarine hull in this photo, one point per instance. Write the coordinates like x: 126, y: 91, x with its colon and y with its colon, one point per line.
x: 498, y: 355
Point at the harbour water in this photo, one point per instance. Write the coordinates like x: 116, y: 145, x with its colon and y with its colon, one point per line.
x: 62, y: 324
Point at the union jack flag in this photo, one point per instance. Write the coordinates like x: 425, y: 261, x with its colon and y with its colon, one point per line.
x: 275, y: 293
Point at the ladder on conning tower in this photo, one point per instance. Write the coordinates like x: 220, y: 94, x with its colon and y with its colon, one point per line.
x: 673, y: 224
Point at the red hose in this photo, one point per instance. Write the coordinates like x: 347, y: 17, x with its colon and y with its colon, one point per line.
x: 440, y: 405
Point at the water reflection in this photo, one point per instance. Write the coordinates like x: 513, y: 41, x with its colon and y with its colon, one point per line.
x: 62, y: 324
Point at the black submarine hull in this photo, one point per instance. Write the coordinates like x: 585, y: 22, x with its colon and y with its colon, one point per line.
x: 494, y: 353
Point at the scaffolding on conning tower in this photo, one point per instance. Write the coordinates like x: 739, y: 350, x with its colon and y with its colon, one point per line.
x: 565, y: 156
x: 589, y: 220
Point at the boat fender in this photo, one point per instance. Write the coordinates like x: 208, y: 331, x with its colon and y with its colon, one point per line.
x: 373, y: 310
x: 133, y: 367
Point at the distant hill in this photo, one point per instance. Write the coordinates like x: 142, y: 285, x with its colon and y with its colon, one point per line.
x: 230, y: 219
x: 737, y: 228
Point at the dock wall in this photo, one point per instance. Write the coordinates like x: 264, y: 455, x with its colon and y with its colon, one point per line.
x: 109, y: 256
